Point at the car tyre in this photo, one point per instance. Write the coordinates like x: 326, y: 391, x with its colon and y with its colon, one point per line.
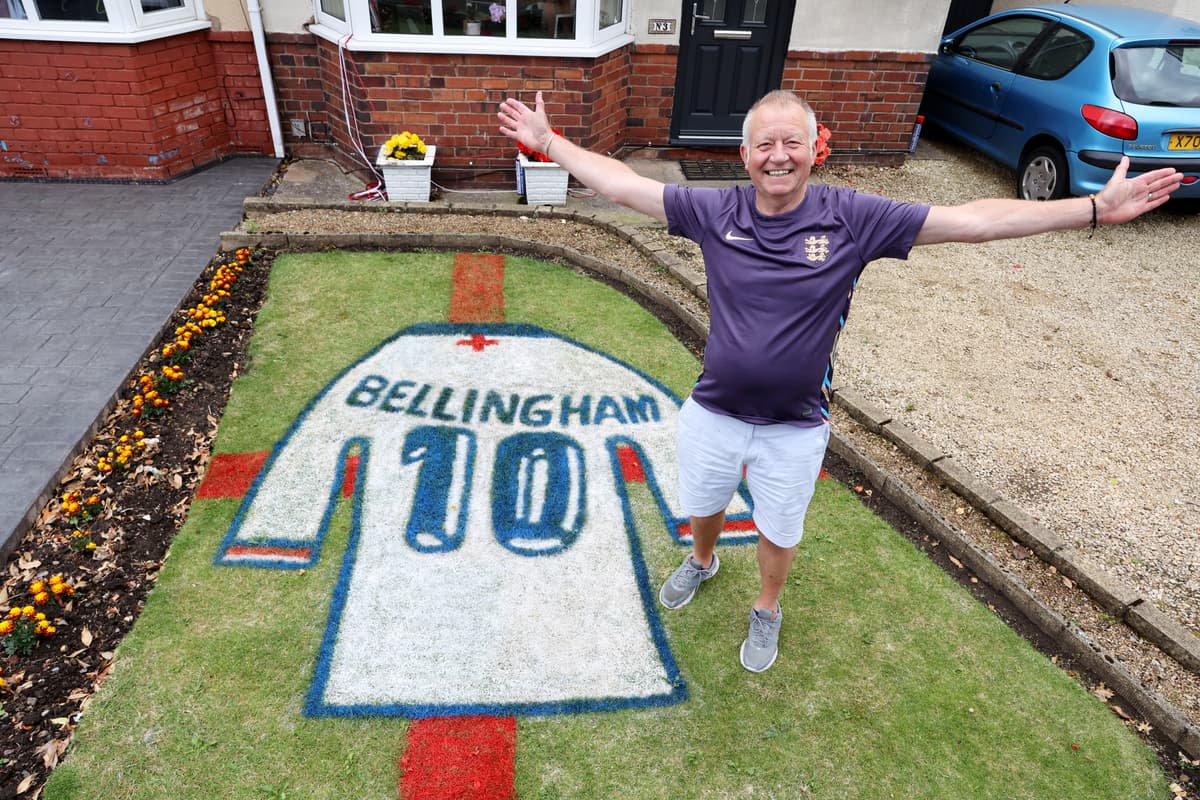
x: 1042, y: 174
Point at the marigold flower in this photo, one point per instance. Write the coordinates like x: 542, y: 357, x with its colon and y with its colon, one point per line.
x: 6, y: 627
x: 29, y: 612
x: 38, y: 586
x: 14, y: 612
x: 41, y: 598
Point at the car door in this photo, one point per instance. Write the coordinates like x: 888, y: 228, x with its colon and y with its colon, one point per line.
x: 970, y: 80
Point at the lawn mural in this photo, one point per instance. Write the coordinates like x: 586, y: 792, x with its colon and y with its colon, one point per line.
x: 494, y: 565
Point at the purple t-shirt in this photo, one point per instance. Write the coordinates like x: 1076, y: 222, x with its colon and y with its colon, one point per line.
x: 779, y: 290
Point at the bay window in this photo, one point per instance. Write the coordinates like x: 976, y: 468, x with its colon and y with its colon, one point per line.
x: 99, y: 20
x: 527, y: 27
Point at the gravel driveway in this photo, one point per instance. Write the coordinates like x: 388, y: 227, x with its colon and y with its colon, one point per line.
x: 1063, y: 370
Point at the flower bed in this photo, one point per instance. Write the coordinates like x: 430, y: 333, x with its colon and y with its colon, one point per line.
x: 89, y: 560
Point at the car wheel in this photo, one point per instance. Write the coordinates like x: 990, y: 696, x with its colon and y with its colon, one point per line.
x: 1042, y: 174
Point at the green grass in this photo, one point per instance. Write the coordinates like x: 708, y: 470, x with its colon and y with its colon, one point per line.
x: 891, y: 682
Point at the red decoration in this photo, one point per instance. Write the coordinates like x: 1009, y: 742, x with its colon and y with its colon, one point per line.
x: 534, y: 155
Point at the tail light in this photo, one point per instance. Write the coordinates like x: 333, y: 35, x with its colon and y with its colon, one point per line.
x: 1116, y: 124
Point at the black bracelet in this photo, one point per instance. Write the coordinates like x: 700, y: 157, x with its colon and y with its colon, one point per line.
x: 1092, y: 197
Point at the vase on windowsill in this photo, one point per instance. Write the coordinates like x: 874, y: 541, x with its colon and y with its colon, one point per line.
x: 407, y: 179
x: 544, y: 183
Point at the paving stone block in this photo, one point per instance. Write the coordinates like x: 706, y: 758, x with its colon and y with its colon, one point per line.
x: 1018, y: 524
x: 912, y: 445
x: 1115, y: 595
x: 867, y: 414
x: 1176, y: 640
x: 970, y: 488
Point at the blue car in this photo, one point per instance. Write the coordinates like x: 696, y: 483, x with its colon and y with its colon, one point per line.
x: 1060, y: 92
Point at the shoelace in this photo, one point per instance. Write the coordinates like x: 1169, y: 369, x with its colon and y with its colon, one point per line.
x: 685, y: 577
x: 760, y: 631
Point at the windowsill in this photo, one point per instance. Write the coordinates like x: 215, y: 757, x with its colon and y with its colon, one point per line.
x: 467, y: 45
x: 39, y: 31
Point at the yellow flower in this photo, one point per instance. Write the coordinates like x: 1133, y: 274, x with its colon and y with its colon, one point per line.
x: 6, y: 627
x: 14, y: 612
x: 41, y: 597
x: 29, y: 612
x: 38, y: 586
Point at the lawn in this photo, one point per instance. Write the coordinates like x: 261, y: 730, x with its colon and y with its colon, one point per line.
x: 891, y: 681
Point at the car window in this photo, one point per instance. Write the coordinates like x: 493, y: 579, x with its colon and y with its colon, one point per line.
x: 1000, y: 42
x: 1058, y: 54
x: 1164, y: 75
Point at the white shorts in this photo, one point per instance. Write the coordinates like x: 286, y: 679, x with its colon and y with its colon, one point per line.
x: 782, y: 463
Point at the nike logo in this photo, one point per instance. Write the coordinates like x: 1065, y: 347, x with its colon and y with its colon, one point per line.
x: 729, y: 237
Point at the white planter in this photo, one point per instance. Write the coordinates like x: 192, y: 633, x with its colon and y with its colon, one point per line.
x: 545, y: 182
x: 406, y: 179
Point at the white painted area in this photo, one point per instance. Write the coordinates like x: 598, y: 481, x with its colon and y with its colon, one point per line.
x: 480, y: 616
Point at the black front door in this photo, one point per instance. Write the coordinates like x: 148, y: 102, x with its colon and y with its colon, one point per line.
x: 731, y: 53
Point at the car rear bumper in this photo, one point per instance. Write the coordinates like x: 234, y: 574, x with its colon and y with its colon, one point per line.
x: 1091, y: 169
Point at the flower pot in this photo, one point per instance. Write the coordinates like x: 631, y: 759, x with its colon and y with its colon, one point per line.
x: 545, y: 182
x: 407, y: 179
x: 474, y: 28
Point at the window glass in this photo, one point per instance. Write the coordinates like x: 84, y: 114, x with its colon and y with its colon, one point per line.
x: 713, y: 9
x: 1165, y: 76
x: 77, y: 10
x: 1058, y: 54
x: 754, y: 12
x: 610, y: 12
x: 400, y: 16
x: 1001, y: 42
x: 474, y: 17
x: 159, y: 5
x: 546, y: 19
x: 337, y: 8
x: 12, y: 9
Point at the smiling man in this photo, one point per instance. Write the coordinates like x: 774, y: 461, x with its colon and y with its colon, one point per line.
x: 782, y: 258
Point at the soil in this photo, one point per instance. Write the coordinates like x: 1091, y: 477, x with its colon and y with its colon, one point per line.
x: 142, y: 508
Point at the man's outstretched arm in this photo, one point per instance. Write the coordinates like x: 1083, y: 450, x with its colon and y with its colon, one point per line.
x: 1121, y: 200
x: 605, y: 175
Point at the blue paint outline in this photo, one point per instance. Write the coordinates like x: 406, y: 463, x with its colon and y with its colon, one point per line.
x: 314, y: 706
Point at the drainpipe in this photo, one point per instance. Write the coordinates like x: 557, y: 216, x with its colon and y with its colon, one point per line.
x: 264, y: 70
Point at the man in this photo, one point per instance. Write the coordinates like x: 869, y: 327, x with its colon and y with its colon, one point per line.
x: 782, y: 258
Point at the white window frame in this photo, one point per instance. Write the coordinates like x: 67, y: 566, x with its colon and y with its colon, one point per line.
x: 127, y: 24
x: 355, y: 33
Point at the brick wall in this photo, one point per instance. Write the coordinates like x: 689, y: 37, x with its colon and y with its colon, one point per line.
x: 867, y: 100
x: 449, y: 100
x: 157, y: 109
x: 145, y: 111
x: 620, y: 101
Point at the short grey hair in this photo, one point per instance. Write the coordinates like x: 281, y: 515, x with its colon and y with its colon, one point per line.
x: 781, y: 97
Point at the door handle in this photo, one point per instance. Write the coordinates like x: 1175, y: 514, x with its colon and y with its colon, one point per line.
x: 996, y: 86
x: 697, y: 15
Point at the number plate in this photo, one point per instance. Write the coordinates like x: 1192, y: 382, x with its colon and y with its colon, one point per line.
x: 1184, y: 141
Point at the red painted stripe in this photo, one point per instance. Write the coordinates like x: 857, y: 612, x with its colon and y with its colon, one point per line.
x: 460, y: 758
x: 231, y: 474
x: 260, y: 551
x: 478, y: 293
x: 631, y: 465
x: 685, y: 528
x: 350, y: 476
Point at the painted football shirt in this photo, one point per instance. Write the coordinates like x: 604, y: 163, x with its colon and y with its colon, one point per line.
x: 779, y: 290
x: 493, y: 564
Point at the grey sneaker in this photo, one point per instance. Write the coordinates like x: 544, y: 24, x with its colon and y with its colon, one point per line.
x: 762, y: 645
x: 681, y: 587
